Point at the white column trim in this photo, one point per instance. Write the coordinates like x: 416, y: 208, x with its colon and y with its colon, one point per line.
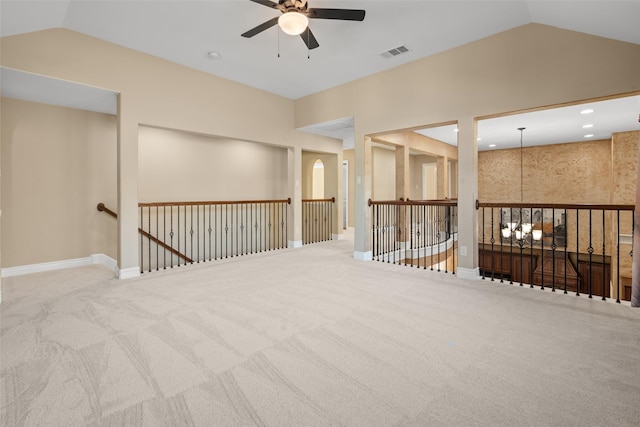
x: 363, y: 256
x: 468, y: 273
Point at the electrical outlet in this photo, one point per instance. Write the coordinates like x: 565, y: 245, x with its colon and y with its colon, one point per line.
x: 463, y: 251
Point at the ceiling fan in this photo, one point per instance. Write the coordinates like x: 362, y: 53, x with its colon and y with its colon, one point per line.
x: 295, y: 18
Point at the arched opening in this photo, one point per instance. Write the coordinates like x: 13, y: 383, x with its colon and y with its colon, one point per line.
x: 317, y: 189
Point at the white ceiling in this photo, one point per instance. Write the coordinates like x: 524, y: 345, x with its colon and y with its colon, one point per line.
x: 551, y: 126
x: 184, y: 32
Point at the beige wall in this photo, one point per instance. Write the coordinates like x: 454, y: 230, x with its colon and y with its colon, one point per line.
x: 155, y: 92
x: 332, y: 181
x: 180, y: 166
x: 57, y: 165
x: 383, y: 174
x: 329, y: 162
x: 526, y: 67
x: 416, y: 174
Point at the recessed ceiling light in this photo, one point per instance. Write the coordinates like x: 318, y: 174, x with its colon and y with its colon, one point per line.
x: 492, y: 145
x: 587, y: 126
x: 455, y: 130
x: 214, y: 55
x: 589, y: 135
x: 587, y: 111
x: 479, y: 139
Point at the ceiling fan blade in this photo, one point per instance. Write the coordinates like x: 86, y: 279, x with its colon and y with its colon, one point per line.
x: 267, y: 3
x: 260, y: 28
x: 343, y: 14
x: 309, y: 39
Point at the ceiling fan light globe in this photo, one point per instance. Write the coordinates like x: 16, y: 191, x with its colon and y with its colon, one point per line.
x: 293, y: 23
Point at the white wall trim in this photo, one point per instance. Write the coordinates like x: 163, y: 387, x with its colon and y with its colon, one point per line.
x: 295, y: 243
x: 339, y: 236
x: 45, y: 266
x: 128, y: 273
x: 60, y: 265
x: 468, y: 273
x: 106, y: 260
x: 363, y: 256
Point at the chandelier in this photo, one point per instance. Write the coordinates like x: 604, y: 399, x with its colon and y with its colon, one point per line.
x: 524, y: 232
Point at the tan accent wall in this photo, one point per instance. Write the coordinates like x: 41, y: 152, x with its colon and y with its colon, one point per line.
x: 601, y: 171
x: 562, y: 173
x: 57, y: 165
x: 624, y: 148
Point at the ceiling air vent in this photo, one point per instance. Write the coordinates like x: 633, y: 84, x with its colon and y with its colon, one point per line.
x: 395, y: 51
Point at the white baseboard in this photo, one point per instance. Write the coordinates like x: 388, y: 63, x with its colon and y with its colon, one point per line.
x: 45, y: 266
x: 60, y: 265
x: 468, y: 273
x: 128, y: 273
x: 106, y: 260
x: 363, y: 256
x: 295, y: 243
x: 339, y: 236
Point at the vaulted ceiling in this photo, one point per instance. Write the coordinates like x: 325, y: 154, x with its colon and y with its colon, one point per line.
x: 205, y: 35
x: 184, y: 32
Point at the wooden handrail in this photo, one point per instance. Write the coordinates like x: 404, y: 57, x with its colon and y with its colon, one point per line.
x: 436, y: 202
x: 218, y: 202
x: 556, y: 206
x: 332, y: 200
x: 102, y: 208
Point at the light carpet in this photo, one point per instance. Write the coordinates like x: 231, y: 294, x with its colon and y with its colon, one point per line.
x: 310, y: 337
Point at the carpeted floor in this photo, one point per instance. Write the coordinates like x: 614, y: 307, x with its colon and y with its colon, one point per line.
x: 306, y: 337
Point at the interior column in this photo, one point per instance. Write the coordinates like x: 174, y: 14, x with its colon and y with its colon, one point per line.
x: 467, y: 196
x: 403, y: 176
x: 294, y: 222
x: 128, y: 262
x: 338, y: 206
x: 362, y: 220
x: 443, y: 177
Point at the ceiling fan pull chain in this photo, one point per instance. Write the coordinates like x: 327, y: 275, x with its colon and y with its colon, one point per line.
x: 278, y: 42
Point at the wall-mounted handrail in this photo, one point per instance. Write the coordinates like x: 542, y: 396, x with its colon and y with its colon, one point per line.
x: 102, y: 208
